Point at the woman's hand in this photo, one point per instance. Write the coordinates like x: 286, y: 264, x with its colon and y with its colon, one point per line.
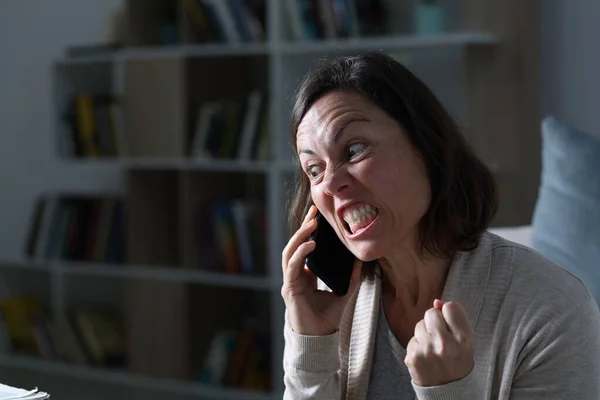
x: 311, y: 311
x: 443, y: 348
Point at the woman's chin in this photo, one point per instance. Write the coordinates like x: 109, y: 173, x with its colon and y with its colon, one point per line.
x: 367, y: 254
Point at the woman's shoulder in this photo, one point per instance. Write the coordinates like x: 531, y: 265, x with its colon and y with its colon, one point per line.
x: 528, y: 276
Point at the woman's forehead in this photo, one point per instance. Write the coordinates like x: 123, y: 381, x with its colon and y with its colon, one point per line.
x: 331, y: 109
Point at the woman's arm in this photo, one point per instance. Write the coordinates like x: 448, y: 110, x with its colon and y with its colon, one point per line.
x: 561, y: 361
x: 311, y: 366
x: 565, y: 363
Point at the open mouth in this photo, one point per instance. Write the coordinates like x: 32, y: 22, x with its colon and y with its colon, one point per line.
x: 359, y: 217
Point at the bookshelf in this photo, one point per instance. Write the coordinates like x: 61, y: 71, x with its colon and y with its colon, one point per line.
x: 154, y: 91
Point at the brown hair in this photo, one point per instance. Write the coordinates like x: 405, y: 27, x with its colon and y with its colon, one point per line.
x: 463, y: 190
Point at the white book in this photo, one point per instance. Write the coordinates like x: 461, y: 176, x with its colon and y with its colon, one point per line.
x: 11, y: 393
x: 250, y: 127
x: 203, y: 121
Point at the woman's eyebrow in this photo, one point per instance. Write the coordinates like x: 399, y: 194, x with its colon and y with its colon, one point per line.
x: 338, y: 133
x: 340, y: 130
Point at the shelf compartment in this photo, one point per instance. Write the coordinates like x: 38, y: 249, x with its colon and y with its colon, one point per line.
x: 227, y: 121
x: 153, y: 200
x: 87, y: 110
x: 154, y: 107
x: 152, y: 22
x: 224, y: 222
x: 177, y: 331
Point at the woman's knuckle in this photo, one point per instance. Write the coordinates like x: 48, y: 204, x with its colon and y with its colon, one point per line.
x: 420, y: 326
x: 462, y: 339
x: 439, y: 343
x: 285, y: 252
x: 430, y: 313
x: 430, y: 348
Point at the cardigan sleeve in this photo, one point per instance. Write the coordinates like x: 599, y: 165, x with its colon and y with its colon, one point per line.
x: 468, y: 388
x: 562, y: 361
x: 566, y: 364
x: 311, y: 366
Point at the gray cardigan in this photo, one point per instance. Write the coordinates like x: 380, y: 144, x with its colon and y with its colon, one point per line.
x: 537, y: 333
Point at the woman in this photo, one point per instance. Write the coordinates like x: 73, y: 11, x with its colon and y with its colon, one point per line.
x: 438, y: 308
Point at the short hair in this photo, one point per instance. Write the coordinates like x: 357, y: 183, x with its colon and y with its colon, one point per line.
x: 464, y: 195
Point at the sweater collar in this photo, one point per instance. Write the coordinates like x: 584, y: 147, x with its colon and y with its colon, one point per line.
x: 468, y: 278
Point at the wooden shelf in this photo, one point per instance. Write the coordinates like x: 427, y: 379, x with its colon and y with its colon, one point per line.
x: 300, y: 47
x: 195, y: 50
x: 183, y: 164
x: 167, y: 274
x: 86, y: 60
x: 128, y: 379
x: 390, y: 43
x: 24, y: 265
x: 198, y: 164
x: 174, y: 51
x: 159, y: 273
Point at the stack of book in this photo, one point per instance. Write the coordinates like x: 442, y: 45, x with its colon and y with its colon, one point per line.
x: 330, y: 19
x: 77, y: 229
x: 239, y: 359
x: 85, y: 334
x: 93, y: 126
x: 232, y: 129
x: 232, y: 237
x: 229, y: 21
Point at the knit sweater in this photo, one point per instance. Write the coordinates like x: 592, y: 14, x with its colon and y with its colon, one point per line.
x: 537, y: 334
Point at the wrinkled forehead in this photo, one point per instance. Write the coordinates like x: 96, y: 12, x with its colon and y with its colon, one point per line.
x: 325, y: 116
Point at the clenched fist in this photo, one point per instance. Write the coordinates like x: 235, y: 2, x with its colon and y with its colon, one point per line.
x: 443, y: 347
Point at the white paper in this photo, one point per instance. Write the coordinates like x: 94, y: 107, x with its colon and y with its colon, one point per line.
x: 11, y: 393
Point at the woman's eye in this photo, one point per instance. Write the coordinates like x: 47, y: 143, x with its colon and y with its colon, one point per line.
x: 314, y: 170
x: 355, y: 149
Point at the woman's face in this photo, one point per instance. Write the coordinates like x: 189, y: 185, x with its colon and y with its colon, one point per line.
x: 366, y: 177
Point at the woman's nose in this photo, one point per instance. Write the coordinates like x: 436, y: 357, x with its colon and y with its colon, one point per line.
x: 335, y: 181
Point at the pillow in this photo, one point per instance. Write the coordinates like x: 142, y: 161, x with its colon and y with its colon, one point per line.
x: 566, y: 220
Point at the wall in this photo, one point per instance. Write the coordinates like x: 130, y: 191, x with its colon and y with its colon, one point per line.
x: 32, y: 35
x: 571, y: 62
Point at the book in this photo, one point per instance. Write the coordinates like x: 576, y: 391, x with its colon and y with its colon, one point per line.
x: 12, y: 393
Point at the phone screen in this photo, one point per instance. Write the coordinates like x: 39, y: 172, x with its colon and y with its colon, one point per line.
x: 330, y: 261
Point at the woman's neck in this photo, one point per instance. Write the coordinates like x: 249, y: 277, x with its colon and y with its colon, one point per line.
x: 412, y: 279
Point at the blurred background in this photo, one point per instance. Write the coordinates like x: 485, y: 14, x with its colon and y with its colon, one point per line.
x: 145, y: 161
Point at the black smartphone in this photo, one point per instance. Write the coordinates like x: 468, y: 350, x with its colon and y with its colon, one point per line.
x: 330, y: 261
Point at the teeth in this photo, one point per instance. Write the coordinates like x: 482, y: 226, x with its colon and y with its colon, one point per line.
x: 358, y: 215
